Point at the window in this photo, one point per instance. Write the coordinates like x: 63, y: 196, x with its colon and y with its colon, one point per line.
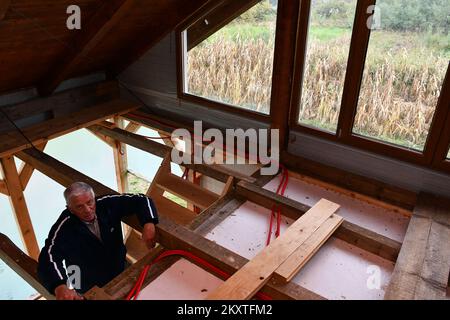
x: 233, y: 66
x: 329, y: 35
x: 405, y: 67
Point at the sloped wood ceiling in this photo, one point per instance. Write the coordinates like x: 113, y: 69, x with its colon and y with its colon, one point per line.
x: 35, y: 42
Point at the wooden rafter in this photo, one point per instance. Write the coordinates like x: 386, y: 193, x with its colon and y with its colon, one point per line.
x: 26, y: 170
x: 19, y: 206
x: 178, y: 14
x: 283, y: 65
x: 22, y: 264
x: 105, y: 18
x: 12, y: 142
x: 169, y: 234
x: 361, y: 237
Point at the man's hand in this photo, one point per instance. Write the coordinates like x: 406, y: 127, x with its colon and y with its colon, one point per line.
x: 64, y: 293
x: 148, y: 235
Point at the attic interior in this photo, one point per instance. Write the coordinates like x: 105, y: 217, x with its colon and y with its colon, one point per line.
x: 359, y: 208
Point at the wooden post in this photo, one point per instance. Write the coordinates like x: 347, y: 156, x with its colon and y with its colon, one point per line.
x: 17, y: 199
x: 120, y: 160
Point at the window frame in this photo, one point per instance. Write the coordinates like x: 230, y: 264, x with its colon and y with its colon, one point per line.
x: 216, y: 105
x: 349, y: 102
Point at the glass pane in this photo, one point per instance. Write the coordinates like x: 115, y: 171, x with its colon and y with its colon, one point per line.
x: 405, y: 67
x: 329, y: 37
x: 234, y: 65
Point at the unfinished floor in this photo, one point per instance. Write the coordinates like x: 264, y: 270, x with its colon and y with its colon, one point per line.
x: 337, y: 271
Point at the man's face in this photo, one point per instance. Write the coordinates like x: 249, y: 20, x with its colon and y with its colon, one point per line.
x: 83, y: 206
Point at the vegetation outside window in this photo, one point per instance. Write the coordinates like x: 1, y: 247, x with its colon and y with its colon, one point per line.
x: 405, y: 68
x: 329, y: 36
x: 234, y: 65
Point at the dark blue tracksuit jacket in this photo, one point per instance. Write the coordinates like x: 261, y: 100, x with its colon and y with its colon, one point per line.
x: 71, y: 243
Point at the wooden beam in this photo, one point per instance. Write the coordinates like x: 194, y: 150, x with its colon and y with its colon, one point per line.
x: 26, y: 170
x: 367, y: 186
x: 3, y: 188
x: 169, y: 234
x: 12, y: 142
x: 188, y: 191
x: 283, y: 67
x: 133, y: 127
x: 423, y: 266
x: 19, y: 206
x: 178, y: 14
x: 4, y: 6
x: 349, y: 232
x: 292, y: 265
x: 243, y: 284
x: 22, y: 264
x: 105, y: 18
x: 110, y: 142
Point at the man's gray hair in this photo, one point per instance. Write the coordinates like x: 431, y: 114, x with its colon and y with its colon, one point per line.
x: 76, y: 189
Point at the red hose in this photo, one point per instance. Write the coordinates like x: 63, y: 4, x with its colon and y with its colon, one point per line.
x: 134, y: 293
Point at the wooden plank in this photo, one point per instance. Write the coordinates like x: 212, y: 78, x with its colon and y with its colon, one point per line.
x: 22, y: 264
x: 186, y: 190
x: 105, y: 18
x: 73, y: 100
x: 423, y: 265
x: 349, y: 232
x: 250, y: 278
x: 26, y: 170
x: 169, y: 234
x: 12, y: 142
x: 19, y: 206
x: 4, y: 6
x: 292, y: 265
x: 179, y: 12
x: 132, y: 127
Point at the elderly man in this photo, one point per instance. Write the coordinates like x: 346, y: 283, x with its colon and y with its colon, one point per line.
x: 85, y: 246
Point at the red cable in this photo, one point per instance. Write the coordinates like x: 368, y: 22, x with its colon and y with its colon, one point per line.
x: 137, y: 288
x: 277, y: 232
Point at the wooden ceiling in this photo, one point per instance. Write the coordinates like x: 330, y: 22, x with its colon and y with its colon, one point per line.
x: 38, y: 50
